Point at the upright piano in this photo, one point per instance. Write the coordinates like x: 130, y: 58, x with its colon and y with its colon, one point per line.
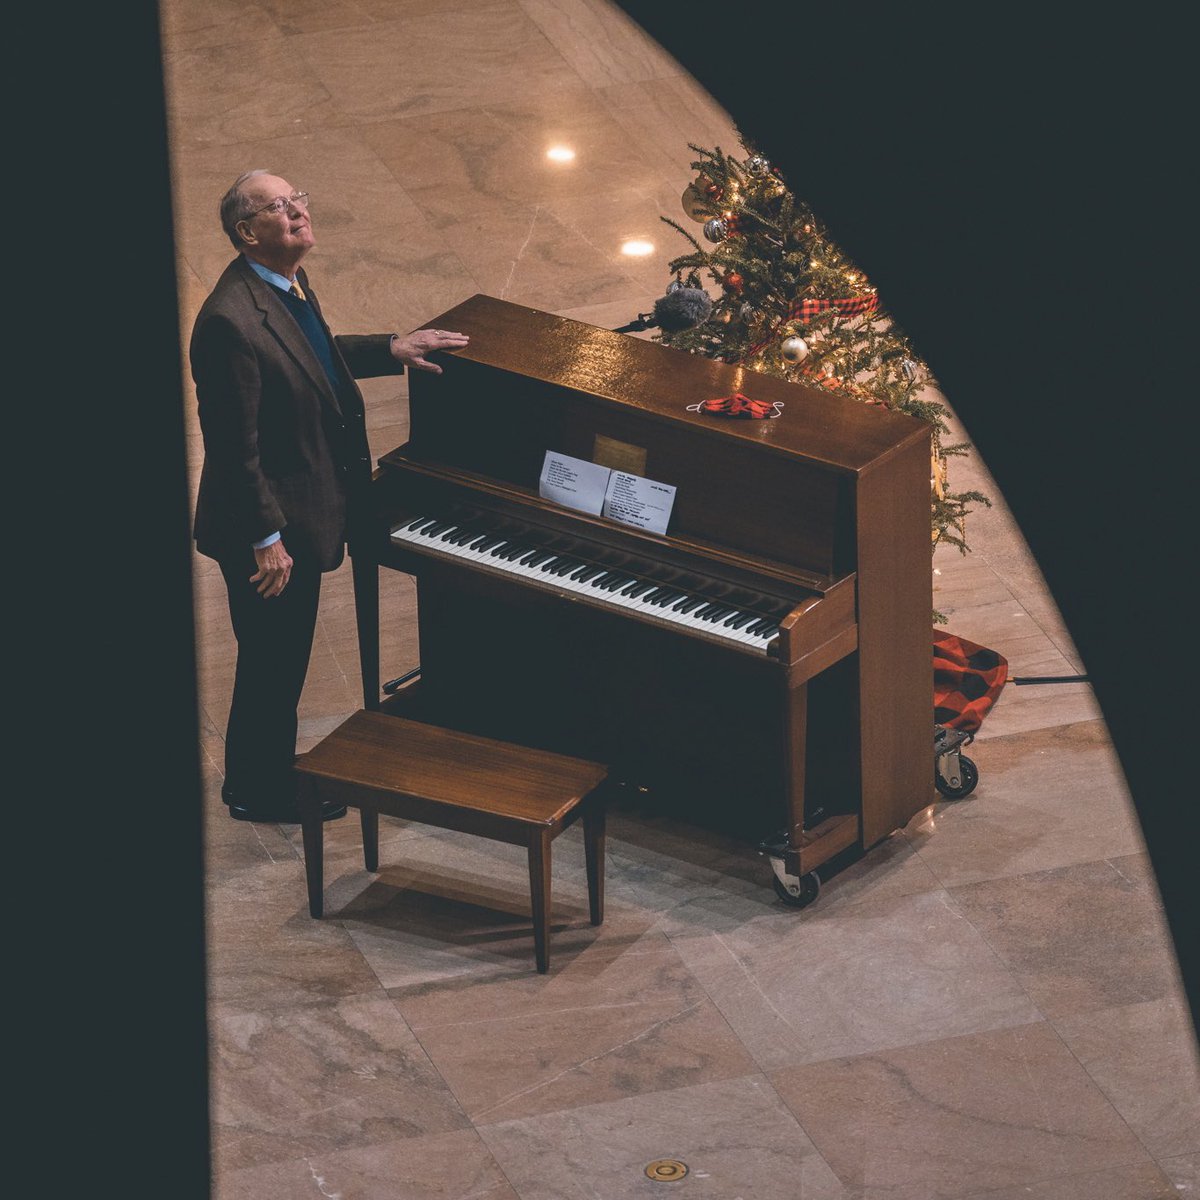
x: 765, y: 662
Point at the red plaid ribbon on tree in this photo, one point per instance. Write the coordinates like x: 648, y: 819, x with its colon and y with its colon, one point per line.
x: 967, y: 681
x: 848, y: 306
x: 805, y: 310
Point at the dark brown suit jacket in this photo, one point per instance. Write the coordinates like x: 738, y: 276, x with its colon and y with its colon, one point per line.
x: 282, y: 448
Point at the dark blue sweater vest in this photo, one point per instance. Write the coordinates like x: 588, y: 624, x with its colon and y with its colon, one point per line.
x: 307, y: 320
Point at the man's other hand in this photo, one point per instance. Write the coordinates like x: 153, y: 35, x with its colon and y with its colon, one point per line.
x: 274, y: 570
x: 412, y: 348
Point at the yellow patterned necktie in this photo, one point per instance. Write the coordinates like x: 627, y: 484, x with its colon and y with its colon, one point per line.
x: 298, y: 291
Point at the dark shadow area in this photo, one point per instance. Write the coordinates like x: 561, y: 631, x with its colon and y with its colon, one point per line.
x: 103, y: 743
x: 1013, y: 191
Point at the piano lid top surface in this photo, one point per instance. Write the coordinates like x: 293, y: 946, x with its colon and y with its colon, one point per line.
x: 815, y: 425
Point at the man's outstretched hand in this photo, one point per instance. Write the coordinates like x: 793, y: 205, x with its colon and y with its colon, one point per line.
x: 412, y: 348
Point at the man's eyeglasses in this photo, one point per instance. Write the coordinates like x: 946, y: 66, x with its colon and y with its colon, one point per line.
x: 282, y: 204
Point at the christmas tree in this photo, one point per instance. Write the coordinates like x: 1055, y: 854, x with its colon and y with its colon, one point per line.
x: 791, y: 304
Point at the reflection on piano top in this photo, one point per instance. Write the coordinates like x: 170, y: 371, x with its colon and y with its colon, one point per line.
x: 660, y: 382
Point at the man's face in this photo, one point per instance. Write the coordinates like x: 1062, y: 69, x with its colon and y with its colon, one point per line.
x: 271, y: 236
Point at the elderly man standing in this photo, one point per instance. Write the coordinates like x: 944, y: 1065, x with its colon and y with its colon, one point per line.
x: 285, y: 452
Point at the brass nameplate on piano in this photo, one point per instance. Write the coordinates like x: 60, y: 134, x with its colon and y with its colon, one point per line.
x: 620, y: 456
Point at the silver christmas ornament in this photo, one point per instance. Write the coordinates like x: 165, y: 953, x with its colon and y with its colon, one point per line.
x: 757, y: 165
x: 674, y: 286
x: 746, y: 311
x: 714, y: 229
x: 909, y: 368
x: 794, y: 349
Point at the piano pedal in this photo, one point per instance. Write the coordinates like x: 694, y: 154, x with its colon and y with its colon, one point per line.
x: 954, y: 774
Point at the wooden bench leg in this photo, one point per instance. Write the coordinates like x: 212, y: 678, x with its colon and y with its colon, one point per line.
x: 313, y: 830
x: 369, y: 818
x: 539, y: 889
x: 593, y: 844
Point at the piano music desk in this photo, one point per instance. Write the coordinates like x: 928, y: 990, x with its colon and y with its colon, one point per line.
x: 385, y: 764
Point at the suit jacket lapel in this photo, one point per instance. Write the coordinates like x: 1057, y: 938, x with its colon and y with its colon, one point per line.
x: 283, y: 327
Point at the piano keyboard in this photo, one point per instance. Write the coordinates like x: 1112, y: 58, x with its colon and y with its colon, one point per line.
x: 519, y: 556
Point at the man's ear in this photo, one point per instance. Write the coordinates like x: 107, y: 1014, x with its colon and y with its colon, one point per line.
x: 246, y: 233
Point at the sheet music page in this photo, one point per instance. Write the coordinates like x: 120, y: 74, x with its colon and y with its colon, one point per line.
x: 573, y: 482
x: 633, y: 500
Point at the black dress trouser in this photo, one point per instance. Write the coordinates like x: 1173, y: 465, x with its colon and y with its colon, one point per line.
x: 274, y: 638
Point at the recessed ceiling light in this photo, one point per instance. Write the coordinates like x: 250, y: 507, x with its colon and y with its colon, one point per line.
x: 560, y: 154
x: 637, y: 248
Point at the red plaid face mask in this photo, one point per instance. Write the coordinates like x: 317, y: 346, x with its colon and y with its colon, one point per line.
x: 737, y: 405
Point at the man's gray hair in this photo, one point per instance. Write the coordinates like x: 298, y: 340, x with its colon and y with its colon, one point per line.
x: 237, y: 206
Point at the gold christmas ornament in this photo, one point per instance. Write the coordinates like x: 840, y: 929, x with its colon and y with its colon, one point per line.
x: 794, y: 349
x: 695, y: 203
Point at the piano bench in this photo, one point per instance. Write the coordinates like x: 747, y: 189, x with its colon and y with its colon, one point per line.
x: 384, y: 764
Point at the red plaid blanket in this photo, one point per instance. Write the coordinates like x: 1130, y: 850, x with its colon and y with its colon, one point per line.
x: 967, y: 681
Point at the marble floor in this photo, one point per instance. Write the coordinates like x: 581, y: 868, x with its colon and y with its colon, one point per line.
x: 986, y: 1005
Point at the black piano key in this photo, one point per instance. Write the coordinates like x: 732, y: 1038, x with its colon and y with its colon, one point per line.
x: 488, y: 543
x: 651, y: 596
x: 619, y: 582
x: 565, y: 567
x: 686, y: 606
x: 669, y: 599
x: 722, y: 610
x: 589, y: 572
x: 598, y: 581
x: 702, y: 612
x: 415, y: 525
x: 771, y: 629
x: 537, y: 559
x: 634, y: 592
x: 738, y: 621
x: 761, y: 623
x: 449, y: 533
x: 463, y: 536
x: 506, y: 547
x: 515, y: 550
x: 436, y: 529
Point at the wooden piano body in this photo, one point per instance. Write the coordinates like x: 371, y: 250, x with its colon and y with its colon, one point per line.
x: 817, y: 520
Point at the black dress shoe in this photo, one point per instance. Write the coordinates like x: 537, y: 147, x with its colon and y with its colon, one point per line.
x: 281, y: 810
x: 282, y: 814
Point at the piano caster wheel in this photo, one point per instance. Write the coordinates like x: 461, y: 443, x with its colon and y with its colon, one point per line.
x: 955, y: 788
x: 797, y: 891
